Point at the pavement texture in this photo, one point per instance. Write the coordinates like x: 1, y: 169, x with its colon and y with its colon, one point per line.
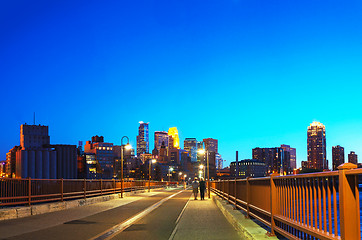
x: 203, y: 220
x: 165, y: 214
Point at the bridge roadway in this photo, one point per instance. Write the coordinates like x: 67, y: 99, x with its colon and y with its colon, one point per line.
x: 161, y: 214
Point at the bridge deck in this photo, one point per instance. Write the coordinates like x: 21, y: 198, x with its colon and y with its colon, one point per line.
x: 163, y: 214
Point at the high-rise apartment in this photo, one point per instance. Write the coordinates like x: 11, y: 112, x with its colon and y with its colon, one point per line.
x: 211, y: 145
x: 276, y: 159
x: 352, y: 157
x: 142, y: 139
x: 316, y: 145
x: 293, y: 155
x: 337, y: 156
x: 190, y: 145
x: 161, y: 137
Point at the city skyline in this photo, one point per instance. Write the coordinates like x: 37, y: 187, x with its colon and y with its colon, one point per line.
x: 133, y: 142
x: 89, y: 68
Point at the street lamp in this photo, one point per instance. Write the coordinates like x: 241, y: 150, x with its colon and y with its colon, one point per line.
x: 149, y: 172
x: 126, y: 146
x: 170, y: 169
x: 201, y: 167
x: 202, y: 151
x: 179, y: 176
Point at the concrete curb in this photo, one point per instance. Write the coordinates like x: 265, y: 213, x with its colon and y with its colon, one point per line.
x: 246, y: 228
x: 26, y: 211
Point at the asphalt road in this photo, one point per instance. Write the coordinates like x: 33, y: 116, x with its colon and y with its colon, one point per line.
x: 161, y: 213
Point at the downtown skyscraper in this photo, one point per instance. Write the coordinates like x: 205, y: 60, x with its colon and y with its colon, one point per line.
x: 316, y: 145
x: 142, y: 139
x: 337, y: 156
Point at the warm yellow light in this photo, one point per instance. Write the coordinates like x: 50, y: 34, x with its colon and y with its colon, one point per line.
x: 153, y: 161
x: 201, y: 151
x: 201, y: 166
x: 185, y: 176
x: 174, y: 133
x: 180, y: 173
x: 128, y: 146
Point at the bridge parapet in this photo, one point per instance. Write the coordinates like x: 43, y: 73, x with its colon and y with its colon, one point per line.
x: 317, y: 205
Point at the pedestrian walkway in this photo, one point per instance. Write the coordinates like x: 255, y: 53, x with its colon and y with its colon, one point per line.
x: 202, y: 219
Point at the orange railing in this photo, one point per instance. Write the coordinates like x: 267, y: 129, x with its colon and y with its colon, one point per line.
x: 306, y: 206
x: 28, y: 191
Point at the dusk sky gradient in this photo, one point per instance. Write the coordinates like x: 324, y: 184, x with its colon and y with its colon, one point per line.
x: 249, y: 73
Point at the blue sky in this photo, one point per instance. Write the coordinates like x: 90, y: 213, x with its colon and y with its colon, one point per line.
x: 249, y: 73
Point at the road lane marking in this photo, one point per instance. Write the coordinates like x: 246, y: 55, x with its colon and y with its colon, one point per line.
x: 178, y: 219
x: 108, y: 234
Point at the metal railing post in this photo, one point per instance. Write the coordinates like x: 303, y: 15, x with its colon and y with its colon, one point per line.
x: 114, y: 186
x: 348, y: 203
x: 62, y: 190
x: 101, y: 187
x: 273, y: 203
x: 247, y: 197
x: 235, y: 193
x: 29, y: 191
x: 85, y: 188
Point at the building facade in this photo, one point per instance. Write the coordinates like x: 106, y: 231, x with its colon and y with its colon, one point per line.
x: 142, y: 139
x: 276, y: 159
x: 316, y: 145
x: 173, y: 132
x: 104, y: 155
x: 293, y: 155
x: 248, y: 168
x: 190, y: 145
x: 352, y: 157
x: 211, y: 145
x: 337, y: 156
x: 161, y: 137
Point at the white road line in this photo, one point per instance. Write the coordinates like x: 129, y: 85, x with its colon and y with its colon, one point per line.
x: 177, y: 220
x: 108, y: 234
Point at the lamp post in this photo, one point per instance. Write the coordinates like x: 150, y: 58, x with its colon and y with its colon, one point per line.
x: 127, y: 146
x: 149, y: 172
x: 170, y: 169
x: 179, y: 176
x: 202, y: 151
x: 201, y: 167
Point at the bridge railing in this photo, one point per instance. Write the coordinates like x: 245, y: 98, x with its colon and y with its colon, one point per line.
x: 28, y: 191
x: 305, y: 206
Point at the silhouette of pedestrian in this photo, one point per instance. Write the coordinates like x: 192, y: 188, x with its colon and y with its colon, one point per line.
x: 202, y: 189
x: 195, y: 187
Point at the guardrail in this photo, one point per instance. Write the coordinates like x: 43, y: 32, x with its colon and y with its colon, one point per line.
x: 305, y: 206
x: 28, y: 191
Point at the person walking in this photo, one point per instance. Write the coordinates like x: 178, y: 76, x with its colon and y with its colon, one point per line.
x: 202, y: 189
x: 195, y: 187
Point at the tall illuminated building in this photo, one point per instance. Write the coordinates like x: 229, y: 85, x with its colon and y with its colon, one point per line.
x: 276, y: 159
x: 316, y: 145
x: 293, y: 155
x: 173, y: 132
x: 190, y: 145
x: 142, y: 139
x: 161, y: 137
x: 337, y: 156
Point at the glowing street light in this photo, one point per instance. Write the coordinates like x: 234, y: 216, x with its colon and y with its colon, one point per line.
x: 149, y: 173
x: 170, y: 169
x: 126, y: 146
x: 202, y: 151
